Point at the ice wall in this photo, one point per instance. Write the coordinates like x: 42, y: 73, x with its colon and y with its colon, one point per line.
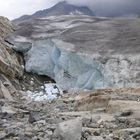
x: 69, y: 69
x: 82, y: 52
x: 73, y: 70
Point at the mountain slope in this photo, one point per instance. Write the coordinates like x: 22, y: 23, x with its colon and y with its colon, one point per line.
x: 61, y: 8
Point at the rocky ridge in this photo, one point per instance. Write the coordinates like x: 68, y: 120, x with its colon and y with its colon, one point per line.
x: 9, y: 61
x: 10, y: 67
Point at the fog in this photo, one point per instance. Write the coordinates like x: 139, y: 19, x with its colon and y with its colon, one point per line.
x: 111, y: 7
x: 15, y: 8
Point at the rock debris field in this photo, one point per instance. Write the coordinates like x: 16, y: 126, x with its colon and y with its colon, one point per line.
x: 99, y: 115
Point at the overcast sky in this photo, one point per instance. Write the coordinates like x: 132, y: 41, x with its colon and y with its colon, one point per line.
x: 15, y: 8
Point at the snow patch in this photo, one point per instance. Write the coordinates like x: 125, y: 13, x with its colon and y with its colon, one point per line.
x: 47, y: 92
x: 76, y: 12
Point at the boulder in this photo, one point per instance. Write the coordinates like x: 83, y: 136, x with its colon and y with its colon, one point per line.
x: 95, y: 138
x: 70, y: 130
x: 9, y: 64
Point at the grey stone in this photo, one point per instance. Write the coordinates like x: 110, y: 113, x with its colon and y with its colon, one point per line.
x: 70, y: 130
x: 95, y: 138
x: 33, y: 117
x: 22, y: 47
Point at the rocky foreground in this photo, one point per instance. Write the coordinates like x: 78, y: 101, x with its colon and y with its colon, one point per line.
x: 100, y: 115
x: 103, y: 114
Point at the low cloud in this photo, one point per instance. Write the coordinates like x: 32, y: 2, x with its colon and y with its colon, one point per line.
x: 15, y: 8
x: 111, y: 7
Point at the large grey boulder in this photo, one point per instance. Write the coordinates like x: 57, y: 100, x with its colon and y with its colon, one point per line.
x: 82, y: 52
x: 70, y: 130
x: 95, y: 138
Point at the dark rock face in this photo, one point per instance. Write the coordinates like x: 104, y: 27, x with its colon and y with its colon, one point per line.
x: 9, y: 64
x: 62, y: 8
x: 10, y: 68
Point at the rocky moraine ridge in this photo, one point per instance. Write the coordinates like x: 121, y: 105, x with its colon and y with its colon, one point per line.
x: 79, y: 53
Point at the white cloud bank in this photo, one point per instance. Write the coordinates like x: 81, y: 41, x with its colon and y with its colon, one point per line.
x: 15, y: 8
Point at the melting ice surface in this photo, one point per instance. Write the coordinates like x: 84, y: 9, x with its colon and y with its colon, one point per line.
x: 48, y: 92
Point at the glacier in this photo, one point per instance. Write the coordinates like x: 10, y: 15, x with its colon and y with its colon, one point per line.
x: 68, y: 69
x: 81, y: 52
